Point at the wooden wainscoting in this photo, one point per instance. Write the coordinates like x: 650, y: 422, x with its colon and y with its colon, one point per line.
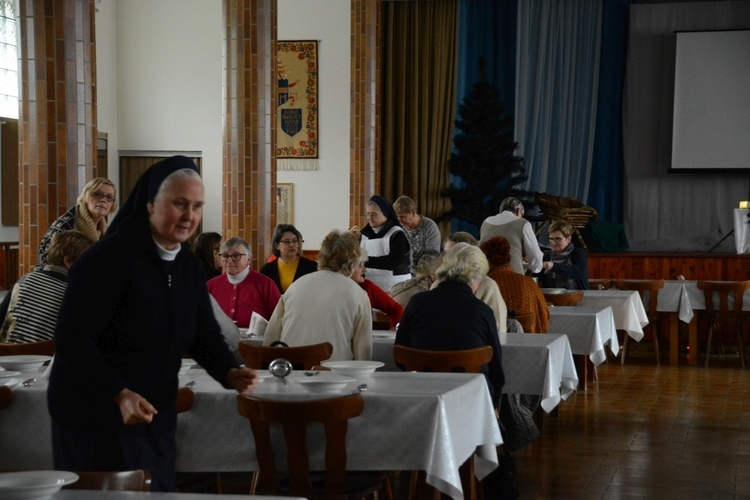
x: 8, y: 264
x: 693, y: 266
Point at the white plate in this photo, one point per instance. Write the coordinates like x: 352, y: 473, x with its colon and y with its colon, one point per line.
x: 324, y: 382
x: 186, y: 365
x: 33, y: 484
x: 554, y: 290
x: 353, y: 368
x: 8, y: 374
x: 23, y: 362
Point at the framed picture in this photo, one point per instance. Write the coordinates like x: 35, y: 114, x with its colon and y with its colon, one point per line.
x: 284, y: 203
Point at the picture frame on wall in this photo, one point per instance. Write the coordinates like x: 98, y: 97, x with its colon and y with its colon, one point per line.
x: 284, y: 203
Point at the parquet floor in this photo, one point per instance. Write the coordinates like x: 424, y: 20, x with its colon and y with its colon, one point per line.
x: 644, y: 431
x: 641, y: 431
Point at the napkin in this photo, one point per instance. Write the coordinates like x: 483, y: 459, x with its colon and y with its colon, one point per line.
x: 257, y: 325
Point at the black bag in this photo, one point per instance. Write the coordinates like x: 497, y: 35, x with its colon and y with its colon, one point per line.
x: 517, y: 418
x: 502, y: 483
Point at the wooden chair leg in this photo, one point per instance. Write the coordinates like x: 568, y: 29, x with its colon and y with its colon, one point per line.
x: 708, y: 343
x: 468, y: 480
x: 624, y: 348
x: 740, y: 345
x: 655, y: 332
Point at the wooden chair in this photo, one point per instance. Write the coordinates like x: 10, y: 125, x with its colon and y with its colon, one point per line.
x: 6, y: 396
x: 724, y: 315
x: 301, y: 357
x: 420, y: 360
x: 469, y: 361
x: 185, y: 398
x: 564, y: 299
x: 654, y: 317
x: 132, y: 480
x: 41, y: 348
x: 601, y: 284
x: 294, y: 417
x: 527, y: 321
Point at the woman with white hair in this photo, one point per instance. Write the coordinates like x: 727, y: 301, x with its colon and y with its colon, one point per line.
x: 327, y: 305
x: 450, y: 318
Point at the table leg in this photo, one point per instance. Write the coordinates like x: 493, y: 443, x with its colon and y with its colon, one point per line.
x: 693, y: 340
x: 674, y: 339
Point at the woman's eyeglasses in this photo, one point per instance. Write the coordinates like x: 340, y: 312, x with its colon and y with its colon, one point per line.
x: 101, y: 196
x: 295, y: 241
x: 235, y: 256
x: 557, y: 240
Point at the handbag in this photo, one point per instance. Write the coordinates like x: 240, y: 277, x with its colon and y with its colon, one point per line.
x: 502, y: 483
x: 519, y: 428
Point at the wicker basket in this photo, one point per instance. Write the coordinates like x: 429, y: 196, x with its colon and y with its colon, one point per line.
x: 570, y: 210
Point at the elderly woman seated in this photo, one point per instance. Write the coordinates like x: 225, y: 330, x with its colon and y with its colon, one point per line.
x: 30, y: 309
x: 487, y: 291
x: 449, y: 317
x: 565, y: 265
x: 378, y: 298
x: 424, y: 276
x: 240, y: 291
x: 521, y: 293
x: 327, y: 306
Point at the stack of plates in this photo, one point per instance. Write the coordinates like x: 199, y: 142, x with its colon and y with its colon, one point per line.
x: 33, y: 484
x: 324, y: 382
x: 23, y: 362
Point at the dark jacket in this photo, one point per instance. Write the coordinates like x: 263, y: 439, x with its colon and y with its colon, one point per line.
x: 450, y: 318
x: 305, y: 266
x: 573, y: 275
x: 125, y: 322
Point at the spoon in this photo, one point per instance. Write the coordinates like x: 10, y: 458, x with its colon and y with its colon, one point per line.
x: 360, y: 388
x: 312, y: 373
x: 26, y: 382
x: 280, y: 368
x: 190, y: 384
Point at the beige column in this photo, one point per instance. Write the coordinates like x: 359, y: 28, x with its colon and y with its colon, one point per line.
x: 249, y: 170
x: 57, y: 122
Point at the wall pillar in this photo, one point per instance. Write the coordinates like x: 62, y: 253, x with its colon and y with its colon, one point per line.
x: 57, y: 122
x: 249, y: 170
x: 366, y: 63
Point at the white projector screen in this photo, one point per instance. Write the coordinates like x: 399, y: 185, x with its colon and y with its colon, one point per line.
x: 711, y: 121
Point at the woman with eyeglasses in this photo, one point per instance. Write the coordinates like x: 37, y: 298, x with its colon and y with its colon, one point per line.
x: 384, y: 240
x: 240, y: 291
x: 565, y: 265
x: 88, y: 216
x: 289, y: 264
x: 135, y: 304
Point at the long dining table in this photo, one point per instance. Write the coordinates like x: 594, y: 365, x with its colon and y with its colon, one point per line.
x: 589, y: 330
x: 411, y: 421
x: 627, y: 309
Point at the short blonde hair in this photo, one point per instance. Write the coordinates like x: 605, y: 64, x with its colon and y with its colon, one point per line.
x: 340, y: 252
x: 465, y: 263
x: 92, y: 186
x: 67, y: 244
x: 404, y: 204
x: 560, y: 225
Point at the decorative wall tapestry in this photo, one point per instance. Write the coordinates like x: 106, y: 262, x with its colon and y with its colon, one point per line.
x: 297, y: 105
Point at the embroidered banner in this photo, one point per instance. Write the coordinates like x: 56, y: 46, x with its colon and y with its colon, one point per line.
x: 297, y: 105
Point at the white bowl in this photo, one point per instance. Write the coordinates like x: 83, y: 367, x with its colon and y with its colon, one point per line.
x: 23, y: 362
x: 353, y: 368
x: 554, y: 291
x: 33, y: 484
x: 324, y: 382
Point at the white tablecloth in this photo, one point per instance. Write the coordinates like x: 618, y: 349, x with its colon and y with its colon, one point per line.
x: 539, y: 363
x: 411, y: 421
x: 684, y: 297
x: 627, y: 308
x: 588, y: 330
x: 741, y: 230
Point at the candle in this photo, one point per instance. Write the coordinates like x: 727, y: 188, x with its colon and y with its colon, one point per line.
x: 745, y: 204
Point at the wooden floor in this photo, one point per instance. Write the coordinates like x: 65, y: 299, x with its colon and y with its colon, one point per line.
x: 644, y: 431
x: 641, y: 431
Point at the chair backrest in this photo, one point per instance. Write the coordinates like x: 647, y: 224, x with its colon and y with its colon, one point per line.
x: 185, y: 398
x: 6, y: 396
x: 642, y: 286
x: 42, y: 348
x: 724, y: 289
x: 601, y: 284
x: 131, y: 480
x: 294, y: 416
x: 527, y: 321
x: 468, y: 361
x: 564, y: 299
x: 301, y: 357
